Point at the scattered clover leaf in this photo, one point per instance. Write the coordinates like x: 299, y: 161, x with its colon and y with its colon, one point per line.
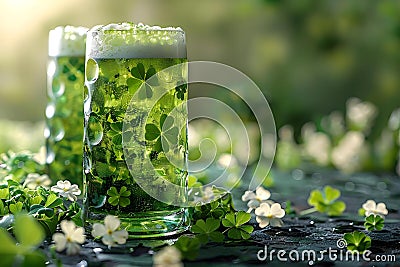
x: 120, y: 198
x: 165, y: 135
x: 357, y: 241
x: 216, y: 209
x: 235, y: 222
x: 207, y: 230
x: 209, y: 210
x: 325, y: 201
x: 188, y: 246
x: 29, y: 235
x: 374, y: 222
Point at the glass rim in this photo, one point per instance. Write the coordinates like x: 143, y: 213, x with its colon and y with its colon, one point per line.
x: 129, y: 27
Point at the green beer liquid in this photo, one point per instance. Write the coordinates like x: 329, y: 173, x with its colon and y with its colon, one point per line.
x: 64, y: 118
x: 110, y: 188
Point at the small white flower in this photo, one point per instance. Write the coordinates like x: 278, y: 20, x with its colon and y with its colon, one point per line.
x: 108, y: 231
x: 371, y: 207
x: 40, y: 156
x: 206, y: 196
x: 347, y: 155
x: 360, y: 113
x: 65, y: 189
x: 317, y: 145
x: 269, y: 215
x: 34, y: 180
x: 255, y: 199
x: 71, y: 238
x: 169, y: 256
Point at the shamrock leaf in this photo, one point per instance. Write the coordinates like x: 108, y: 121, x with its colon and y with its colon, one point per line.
x: 120, y: 198
x: 165, y: 135
x: 29, y: 235
x: 325, y: 201
x: 374, y: 222
x: 212, y: 209
x: 235, y: 224
x: 207, y: 230
x: 188, y: 246
x: 180, y: 91
x: 139, y: 73
x: 357, y: 241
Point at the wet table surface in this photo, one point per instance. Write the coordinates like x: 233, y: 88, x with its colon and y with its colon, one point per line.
x: 315, y: 232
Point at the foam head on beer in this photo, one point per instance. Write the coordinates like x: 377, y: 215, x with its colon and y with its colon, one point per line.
x: 67, y: 41
x: 129, y: 40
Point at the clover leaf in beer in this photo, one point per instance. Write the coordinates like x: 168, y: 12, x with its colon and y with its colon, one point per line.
x: 180, y: 91
x: 115, y: 133
x: 165, y: 134
x: 141, y: 74
x: 120, y: 198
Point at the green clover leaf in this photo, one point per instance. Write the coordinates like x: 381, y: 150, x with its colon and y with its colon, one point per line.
x: 212, y: 209
x: 165, y: 135
x: 140, y: 74
x: 188, y: 246
x: 120, y: 198
x: 235, y: 224
x: 325, y: 201
x: 29, y: 235
x: 357, y: 241
x: 207, y: 230
x: 374, y: 222
x: 180, y: 91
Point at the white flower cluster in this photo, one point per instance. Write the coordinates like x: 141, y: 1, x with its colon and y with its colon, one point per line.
x: 66, y: 189
x: 267, y: 212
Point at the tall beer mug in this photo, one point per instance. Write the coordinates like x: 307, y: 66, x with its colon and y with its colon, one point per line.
x: 64, y: 111
x: 135, y: 149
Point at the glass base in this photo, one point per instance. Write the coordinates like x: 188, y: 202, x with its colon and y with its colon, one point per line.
x: 148, y: 224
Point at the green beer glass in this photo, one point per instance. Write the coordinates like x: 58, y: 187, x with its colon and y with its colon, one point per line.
x: 135, y: 112
x: 64, y: 112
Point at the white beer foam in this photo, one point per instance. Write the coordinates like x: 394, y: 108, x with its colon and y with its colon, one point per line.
x: 128, y: 40
x: 67, y: 41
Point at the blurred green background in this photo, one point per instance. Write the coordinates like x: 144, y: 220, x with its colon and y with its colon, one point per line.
x: 308, y: 57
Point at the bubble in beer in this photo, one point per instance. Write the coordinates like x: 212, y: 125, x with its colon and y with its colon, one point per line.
x: 95, y: 131
x: 92, y: 70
